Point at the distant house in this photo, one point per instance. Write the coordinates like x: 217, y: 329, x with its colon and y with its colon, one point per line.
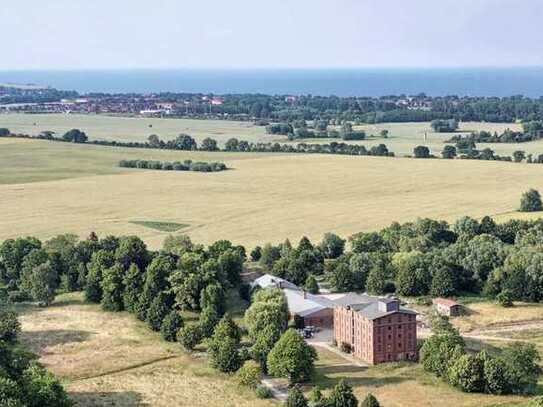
x: 290, y: 99
x: 217, y: 100
x: 447, y: 307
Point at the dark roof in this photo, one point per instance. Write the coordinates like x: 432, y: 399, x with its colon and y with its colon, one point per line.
x: 371, y: 310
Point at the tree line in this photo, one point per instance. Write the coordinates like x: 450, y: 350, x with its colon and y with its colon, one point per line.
x: 287, y: 108
x: 185, y: 142
x: 466, y: 149
x: 187, y: 165
x: 423, y: 258
x: 531, y: 131
x: 515, y: 370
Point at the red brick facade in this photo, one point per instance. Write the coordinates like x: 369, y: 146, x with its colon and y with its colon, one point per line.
x: 321, y: 319
x: 392, y: 337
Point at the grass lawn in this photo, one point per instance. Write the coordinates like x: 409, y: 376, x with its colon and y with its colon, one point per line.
x: 112, y: 359
x: 400, y: 385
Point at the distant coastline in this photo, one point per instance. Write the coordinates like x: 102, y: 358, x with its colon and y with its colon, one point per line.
x: 498, y: 82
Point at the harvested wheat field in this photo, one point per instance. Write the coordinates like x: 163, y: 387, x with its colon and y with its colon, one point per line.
x: 263, y: 197
x: 111, y: 359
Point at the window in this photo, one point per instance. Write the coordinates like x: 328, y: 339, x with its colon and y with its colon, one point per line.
x: 389, y: 328
x: 389, y: 336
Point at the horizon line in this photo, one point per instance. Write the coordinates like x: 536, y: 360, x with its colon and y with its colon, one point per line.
x: 272, y: 68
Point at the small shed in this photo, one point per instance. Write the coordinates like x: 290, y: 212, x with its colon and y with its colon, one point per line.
x: 447, y: 307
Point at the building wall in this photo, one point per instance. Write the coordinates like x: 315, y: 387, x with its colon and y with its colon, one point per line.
x: 386, y: 339
x: 321, y: 319
x: 394, y: 338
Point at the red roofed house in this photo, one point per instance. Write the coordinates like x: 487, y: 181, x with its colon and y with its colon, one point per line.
x: 447, y: 307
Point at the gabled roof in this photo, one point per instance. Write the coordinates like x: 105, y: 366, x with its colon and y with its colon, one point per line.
x: 445, y: 301
x: 267, y: 281
x: 371, y: 310
x: 305, y: 304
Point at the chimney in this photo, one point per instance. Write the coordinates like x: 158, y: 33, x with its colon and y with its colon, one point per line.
x: 280, y: 284
x: 305, y: 295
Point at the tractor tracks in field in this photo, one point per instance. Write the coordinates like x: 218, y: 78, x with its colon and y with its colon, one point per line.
x: 125, y: 369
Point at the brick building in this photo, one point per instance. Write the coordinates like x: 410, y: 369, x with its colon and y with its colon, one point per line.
x: 314, y: 309
x: 378, y: 331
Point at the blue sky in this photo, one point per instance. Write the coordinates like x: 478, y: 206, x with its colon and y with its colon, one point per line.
x: 88, y: 34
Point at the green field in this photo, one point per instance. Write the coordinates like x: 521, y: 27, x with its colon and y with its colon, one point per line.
x: 24, y: 161
x: 101, y: 127
x: 403, y: 137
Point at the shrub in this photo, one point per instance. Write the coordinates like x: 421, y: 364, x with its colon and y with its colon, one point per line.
x: 342, y: 395
x: 171, y: 324
x: 209, y: 317
x: 43, y: 281
x: 18, y: 296
x: 370, y: 401
x: 263, y: 392
x: 249, y: 374
x: 295, y: 398
x: 421, y: 152
x: 345, y: 347
x: 531, y: 201
x: 160, y: 307
x: 292, y: 358
x: 41, y: 389
x: 112, y: 288
x: 10, y: 327
x: 496, y: 376
x: 189, y: 336
x: 467, y: 373
x: 311, y: 285
x: 223, y: 346
x: 256, y: 253
x: 505, y: 298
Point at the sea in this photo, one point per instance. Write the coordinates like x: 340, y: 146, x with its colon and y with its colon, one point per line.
x: 499, y: 82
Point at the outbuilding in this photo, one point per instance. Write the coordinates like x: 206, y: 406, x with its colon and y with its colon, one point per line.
x: 447, y: 307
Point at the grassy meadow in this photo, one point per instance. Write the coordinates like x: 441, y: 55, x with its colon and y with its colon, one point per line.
x: 403, y: 137
x: 49, y: 188
x: 112, y: 359
x: 101, y: 127
x: 401, y: 384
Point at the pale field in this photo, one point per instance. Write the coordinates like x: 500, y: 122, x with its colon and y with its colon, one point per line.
x: 263, y: 198
x: 112, y: 359
x: 403, y: 137
x: 490, y: 314
x: 24, y: 160
x: 485, y: 314
x: 101, y: 127
x: 401, y: 385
